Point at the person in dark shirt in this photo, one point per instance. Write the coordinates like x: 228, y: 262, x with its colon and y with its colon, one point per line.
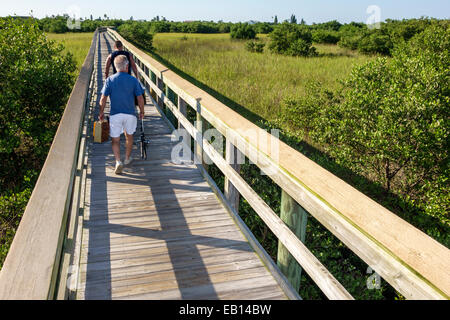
x: 121, y: 88
x: 118, y: 50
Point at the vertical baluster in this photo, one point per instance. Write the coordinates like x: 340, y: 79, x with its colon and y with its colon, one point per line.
x: 295, y: 218
x: 234, y: 157
x: 160, y: 85
x: 182, y: 107
x: 201, y: 126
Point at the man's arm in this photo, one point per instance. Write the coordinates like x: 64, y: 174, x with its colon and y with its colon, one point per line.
x: 133, y: 67
x: 103, y: 104
x: 107, y: 66
x: 141, y: 106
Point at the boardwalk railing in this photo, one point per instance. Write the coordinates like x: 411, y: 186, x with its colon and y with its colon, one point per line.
x: 31, y: 268
x: 412, y: 262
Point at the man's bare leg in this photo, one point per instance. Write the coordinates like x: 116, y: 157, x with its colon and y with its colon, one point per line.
x: 129, y: 145
x: 116, y: 147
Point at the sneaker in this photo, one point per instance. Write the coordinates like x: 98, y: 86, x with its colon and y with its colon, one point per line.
x: 128, y: 161
x: 119, y: 167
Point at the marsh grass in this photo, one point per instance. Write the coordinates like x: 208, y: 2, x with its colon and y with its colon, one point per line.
x: 257, y: 81
x: 77, y: 44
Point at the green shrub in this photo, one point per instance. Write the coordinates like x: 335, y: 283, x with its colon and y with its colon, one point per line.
x: 35, y: 81
x: 291, y: 39
x: 224, y: 27
x: 329, y: 26
x: 375, y: 42
x: 263, y: 27
x: 138, y: 33
x: 325, y: 36
x: 56, y: 24
x: 391, y: 121
x: 255, y: 46
x: 406, y: 29
x: 242, y: 31
x: 11, y: 211
x: 302, y: 48
x: 350, y: 41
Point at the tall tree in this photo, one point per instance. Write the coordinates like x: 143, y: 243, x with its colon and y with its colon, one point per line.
x: 294, y: 19
x: 275, y: 21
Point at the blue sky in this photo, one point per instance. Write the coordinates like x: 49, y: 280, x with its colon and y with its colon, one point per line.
x: 231, y: 10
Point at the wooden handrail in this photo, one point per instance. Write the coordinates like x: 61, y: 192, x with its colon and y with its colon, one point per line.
x: 412, y: 262
x: 31, y: 267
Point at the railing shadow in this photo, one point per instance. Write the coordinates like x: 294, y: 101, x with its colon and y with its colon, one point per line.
x: 99, y: 191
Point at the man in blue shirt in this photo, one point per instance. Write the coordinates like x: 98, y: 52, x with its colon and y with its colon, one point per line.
x: 121, y: 88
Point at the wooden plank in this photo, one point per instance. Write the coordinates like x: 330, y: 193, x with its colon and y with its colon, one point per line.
x: 190, y: 279
x: 144, y: 206
x: 126, y: 241
x: 157, y: 263
x: 176, y: 257
x: 162, y: 215
x: 155, y: 214
x: 175, y: 220
x: 151, y: 195
x: 156, y: 247
x: 150, y: 230
x: 182, y: 274
x: 182, y: 180
x: 125, y: 193
x: 226, y: 290
x: 161, y: 201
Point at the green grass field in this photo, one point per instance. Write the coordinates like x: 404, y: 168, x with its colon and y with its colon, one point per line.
x: 76, y: 43
x: 255, y: 82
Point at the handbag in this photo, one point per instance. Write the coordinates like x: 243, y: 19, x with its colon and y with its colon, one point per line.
x: 101, y: 131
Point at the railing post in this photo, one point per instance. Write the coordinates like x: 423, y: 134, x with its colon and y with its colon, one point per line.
x: 160, y: 85
x: 295, y: 218
x: 201, y: 126
x: 182, y: 107
x: 233, y: 157
x: 170, y: 95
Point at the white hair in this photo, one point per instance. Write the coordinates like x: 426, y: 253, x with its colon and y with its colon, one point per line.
x: 121, y: 63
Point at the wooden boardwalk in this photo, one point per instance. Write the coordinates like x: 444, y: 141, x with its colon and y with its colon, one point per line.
x: 158, y: 231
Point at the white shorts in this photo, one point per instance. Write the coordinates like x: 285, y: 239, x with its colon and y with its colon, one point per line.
x: 121, y: 122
